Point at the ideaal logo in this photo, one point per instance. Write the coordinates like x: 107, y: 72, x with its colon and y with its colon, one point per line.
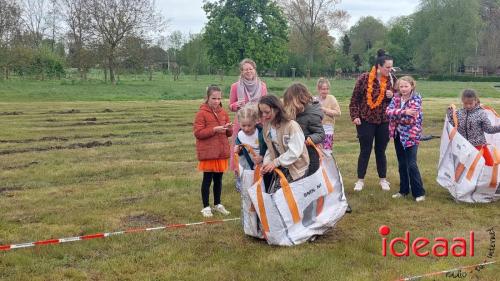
x: 460, y: 247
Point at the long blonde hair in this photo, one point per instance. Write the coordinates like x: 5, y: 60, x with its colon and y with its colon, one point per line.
x: 295, y: 98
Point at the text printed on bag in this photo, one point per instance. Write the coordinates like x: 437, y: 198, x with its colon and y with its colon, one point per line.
x: 311, y: 191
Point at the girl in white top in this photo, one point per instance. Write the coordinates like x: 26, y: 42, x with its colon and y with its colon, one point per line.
x: 250, y: 134
x: 330, y: 108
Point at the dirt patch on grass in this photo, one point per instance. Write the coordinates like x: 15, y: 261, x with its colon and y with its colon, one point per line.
x: 22, y: 166
x: 49, y: 138
x: 130, y: 200
x: 12, y: 113
x: 56, y: 138
x: 107, y: 110
x: 133, y: 134
x: 70, y: 111
x: 91, y: 144
x: 93, y: 123
x: 143, y: 219
x: 6, y: 190
x: 332, y: 236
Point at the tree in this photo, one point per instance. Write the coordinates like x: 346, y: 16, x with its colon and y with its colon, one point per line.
x: 365, y: 33
x: 174, y: 42
x: 10, y: 13
x: 323, y: 48
x: 399, y: 42
x: 133, y: 53
x: 114, y: 20
x: 357, y: 62
x: 488, y: 44
x: 194, y: 54
x: 245, y: 28
x: 34, y: 20
x: 310, y: 17
x: 77, y: 20
x: 442, y: 37
x: 53, y: 21
x: 346, y: 45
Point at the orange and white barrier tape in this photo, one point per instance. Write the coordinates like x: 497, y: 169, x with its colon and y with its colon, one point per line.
x: 105, y: 234
x: 419, y: 277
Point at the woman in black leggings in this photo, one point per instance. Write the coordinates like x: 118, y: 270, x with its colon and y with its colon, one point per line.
x: 370, y: 98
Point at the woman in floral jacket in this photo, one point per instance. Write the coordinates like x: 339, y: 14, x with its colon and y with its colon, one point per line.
x: 405, y: 127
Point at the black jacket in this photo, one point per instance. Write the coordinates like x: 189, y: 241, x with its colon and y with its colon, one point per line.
x: 310, y: 122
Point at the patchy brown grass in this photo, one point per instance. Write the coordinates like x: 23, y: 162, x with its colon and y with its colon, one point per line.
x: 150, y: 179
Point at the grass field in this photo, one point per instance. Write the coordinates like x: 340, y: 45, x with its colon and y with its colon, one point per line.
x: 89, y: 157
x: 137, y: 88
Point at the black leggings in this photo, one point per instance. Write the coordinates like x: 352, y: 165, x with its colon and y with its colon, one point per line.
x: 368, y: 132
x: 205, y: 187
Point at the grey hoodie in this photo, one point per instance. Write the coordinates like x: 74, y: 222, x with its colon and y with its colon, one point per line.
x: 310, y: 122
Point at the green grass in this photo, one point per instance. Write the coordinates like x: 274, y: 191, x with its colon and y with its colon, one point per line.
x: 143, y: 173
x: 135, y: 88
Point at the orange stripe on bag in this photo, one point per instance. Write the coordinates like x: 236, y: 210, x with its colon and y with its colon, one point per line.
x: 474, y: 164
x: 489, y: 108
x: 329, y: 184
x: 455, y: 122
x: 455, y: 117
x: 237, y: 160
x: 453, y: 133
x: 459, y: 171
x: 319, y: 207
x: 262, y: 209
x: 494, y: 176
x: 287, y: 192
x: 256, y: 173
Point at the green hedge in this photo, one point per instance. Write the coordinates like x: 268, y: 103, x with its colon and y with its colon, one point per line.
x: 464, y: 78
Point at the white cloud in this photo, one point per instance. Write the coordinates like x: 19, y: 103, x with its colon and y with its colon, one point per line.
x: 186, y: 16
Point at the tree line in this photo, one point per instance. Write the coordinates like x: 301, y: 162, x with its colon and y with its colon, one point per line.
x: 44, y: 38
x: 440, y: 37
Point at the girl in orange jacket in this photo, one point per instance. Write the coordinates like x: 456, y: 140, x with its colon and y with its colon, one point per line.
x: 212, y: 128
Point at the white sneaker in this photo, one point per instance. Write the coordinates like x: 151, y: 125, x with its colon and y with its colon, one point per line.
x: 359, y: 185
x: 420, y: 198
x: 385, y: 185
x: 220, y: 208
x: 207, y: 212
x: 398, y: 195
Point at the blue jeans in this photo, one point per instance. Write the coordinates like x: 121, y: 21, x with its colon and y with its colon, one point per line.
x: 409, y: 175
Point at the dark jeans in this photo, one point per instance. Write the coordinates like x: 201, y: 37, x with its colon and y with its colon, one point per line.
x: 205, y: 187
x: 367, y: 132
x: 409, y: 175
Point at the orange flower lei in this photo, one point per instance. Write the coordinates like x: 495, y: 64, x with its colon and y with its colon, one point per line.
x: 369, y: 91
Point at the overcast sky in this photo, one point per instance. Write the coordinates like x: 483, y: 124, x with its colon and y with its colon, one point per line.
x: 189, y: 17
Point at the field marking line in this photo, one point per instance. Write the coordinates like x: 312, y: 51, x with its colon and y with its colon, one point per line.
x: 54, y: 241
